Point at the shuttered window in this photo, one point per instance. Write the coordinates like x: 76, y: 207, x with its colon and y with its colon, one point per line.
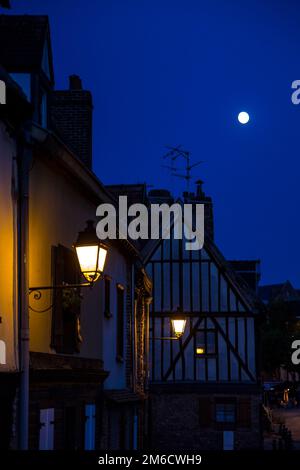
x: 107, y: 300
x: 90, y: 426
x: 120, y: 322
x: 46, y: 436
x: 228, y: 440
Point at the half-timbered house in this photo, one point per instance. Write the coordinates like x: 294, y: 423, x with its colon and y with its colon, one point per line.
x: 205, y: 392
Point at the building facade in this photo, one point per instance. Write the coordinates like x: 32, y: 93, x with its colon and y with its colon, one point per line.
x: 12, y: 135
x: 205, y: 392
x: 77, y: 354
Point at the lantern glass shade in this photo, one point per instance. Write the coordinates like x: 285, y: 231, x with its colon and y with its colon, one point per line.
x: 91, y: 253
x: 88, y: 257
x: 178, y: 325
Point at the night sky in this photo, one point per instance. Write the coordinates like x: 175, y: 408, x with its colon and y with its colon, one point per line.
x: 178, y: 72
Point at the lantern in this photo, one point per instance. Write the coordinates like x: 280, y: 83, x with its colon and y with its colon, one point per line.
x: 91, y: 253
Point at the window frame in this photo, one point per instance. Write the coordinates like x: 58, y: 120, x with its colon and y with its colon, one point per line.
x: 120, y: 323
x: 226, y: 402
x: 204, y: 343
x: 107, y: 296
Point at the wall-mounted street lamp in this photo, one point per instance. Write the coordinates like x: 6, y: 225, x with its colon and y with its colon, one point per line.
x: 178, y: 325
x: 91, y: 254
x: 178, y: 322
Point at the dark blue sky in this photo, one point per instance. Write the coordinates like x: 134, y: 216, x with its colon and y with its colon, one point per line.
x: 178, y: 72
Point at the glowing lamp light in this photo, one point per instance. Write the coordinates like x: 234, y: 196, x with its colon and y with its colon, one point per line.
x: 178, y: 325
x: 200, y: 351
x: 91, y: 253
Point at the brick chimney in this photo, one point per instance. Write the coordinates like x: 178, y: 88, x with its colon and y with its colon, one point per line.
x: 201, y: 198
x: 71, y: 117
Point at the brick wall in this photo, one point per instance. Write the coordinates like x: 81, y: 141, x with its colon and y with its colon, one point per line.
x: 175, y: 423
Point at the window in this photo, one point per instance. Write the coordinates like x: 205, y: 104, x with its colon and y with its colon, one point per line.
x: 46, y: 437
x: 2, y: 92
x: 66, y: 333
x: 89, y: 431
x: 107, y: 285
x: 120, y: 322
x: 228, y: 440
x: 2, y: 352
x: 43, y: 109
x: 206, y: 342
x: 135, y: 431
x: 225, y: 413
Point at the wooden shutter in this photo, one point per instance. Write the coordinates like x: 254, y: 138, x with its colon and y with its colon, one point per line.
x: 120, y: 321
x: 57, y: 316
x: 244, y: 413
x: 107, y: 308
x: 46, y: 438
x: 66, y: 318
x: 205, y: 412
x: 90, y: 427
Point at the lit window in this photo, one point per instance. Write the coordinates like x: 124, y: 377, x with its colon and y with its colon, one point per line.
x: 206, y: 342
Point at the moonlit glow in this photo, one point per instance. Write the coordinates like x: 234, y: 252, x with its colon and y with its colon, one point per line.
x: 243, y: 117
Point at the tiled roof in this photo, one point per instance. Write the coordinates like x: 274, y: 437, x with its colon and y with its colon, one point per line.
x: 284, y: 291
x: 22, y: 40
x: 136, y: 193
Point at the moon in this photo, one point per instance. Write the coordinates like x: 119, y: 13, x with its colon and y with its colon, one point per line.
x: 243, y: 117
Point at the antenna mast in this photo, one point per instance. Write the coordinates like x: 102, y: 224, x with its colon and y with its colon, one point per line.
x: 176, y: 152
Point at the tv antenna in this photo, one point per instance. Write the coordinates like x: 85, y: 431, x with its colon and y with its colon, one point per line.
x: 173, y: 154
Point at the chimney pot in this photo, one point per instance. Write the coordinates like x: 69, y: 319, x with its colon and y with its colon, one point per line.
x: 199, y: 193
x: 75, y: 82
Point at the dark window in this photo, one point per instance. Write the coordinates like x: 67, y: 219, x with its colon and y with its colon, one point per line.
x: 107, y: 285
x: 120, y: 322
x: 225, y: 413
x: 66, y: 336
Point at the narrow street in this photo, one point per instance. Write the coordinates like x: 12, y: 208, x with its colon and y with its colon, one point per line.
x: 291, y: 419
